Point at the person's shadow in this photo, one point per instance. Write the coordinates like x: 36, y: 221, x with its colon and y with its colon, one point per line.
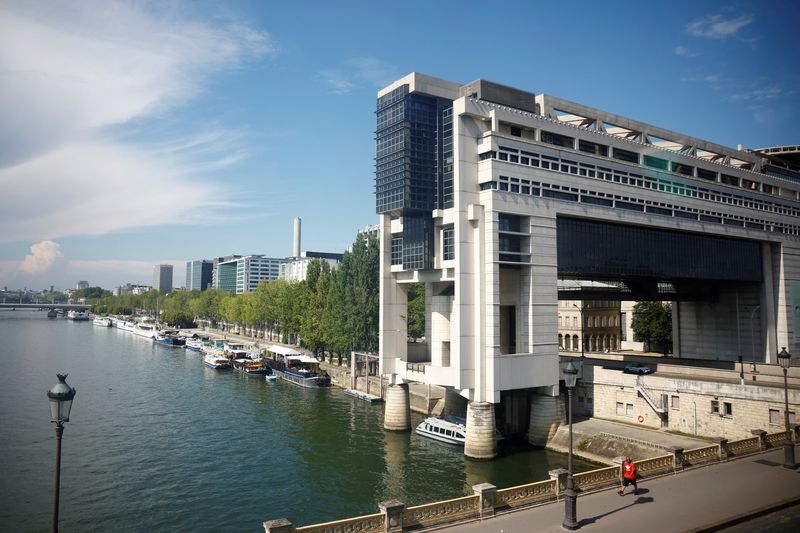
x: 639, y: 500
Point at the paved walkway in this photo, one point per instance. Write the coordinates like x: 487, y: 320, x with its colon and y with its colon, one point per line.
x: 688, y: 501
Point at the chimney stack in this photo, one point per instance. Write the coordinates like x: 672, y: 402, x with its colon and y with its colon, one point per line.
x: 296, y: 241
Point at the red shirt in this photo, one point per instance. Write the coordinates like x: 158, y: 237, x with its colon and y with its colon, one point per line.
x: 628, y: 470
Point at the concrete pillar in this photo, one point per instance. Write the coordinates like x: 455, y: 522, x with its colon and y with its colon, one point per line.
x: 768, y: 325
x: 486, y: 493
x: 560, y: 477
x: 281, y: 525
x: 547, y: 413
x: 397, y: 413
x: 481, y: 441
x: 724, y: 451
x: 762, y: 438
x: 677, y: 457
x: 454, y: 403
x: 393, y: 512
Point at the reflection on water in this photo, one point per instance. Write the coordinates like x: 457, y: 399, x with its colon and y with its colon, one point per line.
x: 159, y: 441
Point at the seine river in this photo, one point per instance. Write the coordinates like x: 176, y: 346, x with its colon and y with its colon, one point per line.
x: 159, y: 442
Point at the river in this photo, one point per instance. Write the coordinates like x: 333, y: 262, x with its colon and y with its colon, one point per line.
x: 159, y: 442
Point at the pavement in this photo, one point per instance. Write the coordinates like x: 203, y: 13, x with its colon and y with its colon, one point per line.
x: 703, y: 498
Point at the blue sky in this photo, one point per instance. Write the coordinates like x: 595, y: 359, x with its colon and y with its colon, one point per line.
x: 136, y: 133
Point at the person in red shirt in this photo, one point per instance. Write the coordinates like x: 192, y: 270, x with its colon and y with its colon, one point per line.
x: 628, y: 476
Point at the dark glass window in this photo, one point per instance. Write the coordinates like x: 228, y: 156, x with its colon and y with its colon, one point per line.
x: 596, y: 201
x: 626, y: 155
x: 592, y: 148
x: 509, y: 222
x: 706, y: 174
x: 656, y: 162
x: 559, y: 195
x: 558, y: 139
x: 729, y: 180
x: 516, y: 132
x: 397, y: 250
x: 686, y: 170
x: 448, y: 244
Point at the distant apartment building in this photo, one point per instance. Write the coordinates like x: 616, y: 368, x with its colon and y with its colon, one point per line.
x: 162, y: 278
x: 130, y: 288
x: 593, y: 325
x: 296, y: 268
x: 199, y: 274
x: 243, y: 274
x: 82, y: 285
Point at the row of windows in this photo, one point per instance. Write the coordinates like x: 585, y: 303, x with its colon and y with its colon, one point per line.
x: 546, y: 190
x: 565, y: 141
x: 591, y: 322
x: 595, y: 343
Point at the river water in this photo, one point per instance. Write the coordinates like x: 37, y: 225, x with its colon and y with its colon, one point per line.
x: 159, y: 442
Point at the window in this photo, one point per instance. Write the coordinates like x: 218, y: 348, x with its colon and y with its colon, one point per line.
x: 675, y: 402
x: 791, y: 417
x: 728, y: 406
x: 715, y: 407
x: 656, y: 162
x: 629, y: 410
x: 516, y: 132
x: 620, y: 409
x: 592, y: 148
x: 686, y: 170
x: 397, y: 250
x: 558, y: 140
x: 625, y: 155
x: 448, y: 244
x: 774, y: 417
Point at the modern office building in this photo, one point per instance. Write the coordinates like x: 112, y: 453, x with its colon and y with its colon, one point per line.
x: 490, y: 195
x: 162, y: 278
x: 243, y: 274
x: 82, y: 285
x: 199, y: 274
x: 296, y: 268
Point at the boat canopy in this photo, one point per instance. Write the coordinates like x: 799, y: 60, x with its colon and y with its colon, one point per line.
x: 302, y: 358
x: 283, y: 350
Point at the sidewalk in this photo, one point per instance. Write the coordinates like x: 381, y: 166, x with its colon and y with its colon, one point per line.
x: 688, y: 501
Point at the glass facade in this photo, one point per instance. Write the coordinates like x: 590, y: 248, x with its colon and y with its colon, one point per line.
x: 448, y: 244
x: 198, y: 274
x: 601, y: 250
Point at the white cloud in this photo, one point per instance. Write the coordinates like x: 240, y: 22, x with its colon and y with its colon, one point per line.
x: 759, y: 94
x: 43, y: 255
x: 70, y: 72
x: 717, y: 27
x: 683, y: 51
x: 357, y: 72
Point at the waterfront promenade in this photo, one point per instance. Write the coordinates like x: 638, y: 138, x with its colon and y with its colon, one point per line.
x: 693, y: 500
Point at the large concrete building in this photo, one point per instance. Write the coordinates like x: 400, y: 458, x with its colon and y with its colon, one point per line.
x: 162, y: 278
x: 243, y: 274
x: 199, y: 274
x: 490, y: 195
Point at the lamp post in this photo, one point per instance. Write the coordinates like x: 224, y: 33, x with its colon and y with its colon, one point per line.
x: 60, y: 396
x: 752, y: 338
x: 788, y: 446
x: 570, y: 497
x: 583, y: 337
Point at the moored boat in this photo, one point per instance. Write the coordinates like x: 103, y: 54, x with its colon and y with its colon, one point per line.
x: 145, y: 329
x: 77, y: 315
x: 125, y: 325
x: 169, y: 338
x: 217, y: 361
x: 52, y: 313
x: 296, y: 367
x: 251, y: 367
x: 102, y: 321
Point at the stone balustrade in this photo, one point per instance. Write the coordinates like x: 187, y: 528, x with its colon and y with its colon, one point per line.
x: 488, y: 500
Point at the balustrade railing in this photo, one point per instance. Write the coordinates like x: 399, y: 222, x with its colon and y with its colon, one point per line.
x: 697, y: 456
x: 776, y: 440
x: 593, y: 479
x: 657, y: 465
x: 371, y: 523
x: 431, y: 514
x: 744, y: 446
x: 526, y: 494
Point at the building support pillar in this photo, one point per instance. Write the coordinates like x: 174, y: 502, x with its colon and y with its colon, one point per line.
x: 397, y: 413
x: 547, y: 414
x: 481, y: 440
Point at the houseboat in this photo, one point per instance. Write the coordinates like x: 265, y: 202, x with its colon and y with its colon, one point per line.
x: 102, y: 321
x: 125, y: 325
x: 251, y: 367
x: 77, y: 315
x: 217, y: 361
x: 169, y: 338
x: 296, y: 367
x: 145, y: 329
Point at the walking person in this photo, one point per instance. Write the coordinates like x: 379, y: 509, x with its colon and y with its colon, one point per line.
x: 629, y: 475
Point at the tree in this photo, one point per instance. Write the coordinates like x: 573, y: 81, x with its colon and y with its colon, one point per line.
x: 180, y: 319
x: 416, y: 310
x: 652, y: 324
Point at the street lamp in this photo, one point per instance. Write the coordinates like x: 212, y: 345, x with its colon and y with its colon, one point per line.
x: 570, y: 497
x: 752, y: 338
x: 61, y: 396
x: 583, y: 338
x: 788, y: 447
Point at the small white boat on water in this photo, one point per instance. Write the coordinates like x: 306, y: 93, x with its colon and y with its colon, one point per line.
x: 125, y: 325
x: 77, y: 315
x: 102, y: 321
x: 451, y: 431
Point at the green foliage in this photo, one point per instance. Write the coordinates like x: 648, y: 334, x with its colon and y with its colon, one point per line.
x: 180, y: 319
x: 652, y: 323
x: 416, y: 310
x: 91, y: 293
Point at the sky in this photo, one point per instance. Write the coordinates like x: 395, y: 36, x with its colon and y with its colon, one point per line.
x: 136, y: 133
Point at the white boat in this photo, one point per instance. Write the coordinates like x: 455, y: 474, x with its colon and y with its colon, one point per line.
x: 144, y: 329
x: 77, y: 315
x: 125, y: 325
x: 452, y: 431
x: 195, y: 344
x: 102, y: 321
x: 217, y: 361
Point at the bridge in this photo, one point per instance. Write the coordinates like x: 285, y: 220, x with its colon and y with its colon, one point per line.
x: 43, y: 306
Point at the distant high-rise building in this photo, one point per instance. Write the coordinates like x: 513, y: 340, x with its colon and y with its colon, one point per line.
x: 82, y: 285
x: 243, y: 274
x: 199, y: 274
x: 296, y: 268
x: 162, y: 278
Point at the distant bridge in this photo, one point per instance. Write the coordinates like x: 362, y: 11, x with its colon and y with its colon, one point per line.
x: 42, y: 306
